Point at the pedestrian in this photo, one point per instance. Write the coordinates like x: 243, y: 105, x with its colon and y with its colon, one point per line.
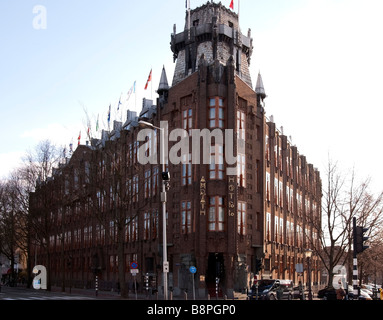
x: 300, y: 286
x: 340, y: 293
x: 381, y: 293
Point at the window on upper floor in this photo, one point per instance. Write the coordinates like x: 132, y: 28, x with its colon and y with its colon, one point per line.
x: 216, y: 115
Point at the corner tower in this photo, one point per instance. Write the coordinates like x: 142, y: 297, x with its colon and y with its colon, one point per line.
x: 211, y: 31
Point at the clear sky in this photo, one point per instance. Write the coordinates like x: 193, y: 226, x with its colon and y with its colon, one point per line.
x: 321, y: 63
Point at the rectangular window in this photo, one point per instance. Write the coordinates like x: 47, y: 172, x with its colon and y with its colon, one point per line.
x: 135, y: 151
x: 186, y: 216
x: 216, y: 218
x: 280, y: 194
x: 146, y: 225
x: 268, y: 225
x: 216, y: 168
x: 276, y: 224
x: 128, y: 235
x: 155, y: 181
x: 155, y: 224
x: 135, y: 229
x: 241, y: 218
x: 241, y: 168
x: 267, y: 146
x: 216, y: 113
x: 187, y: 120
x: 147, y: 183
x: 281, y: 230
x: 241, y: 125
x: 276, y: 184
x: 135, y: 188
x: 186, y: 170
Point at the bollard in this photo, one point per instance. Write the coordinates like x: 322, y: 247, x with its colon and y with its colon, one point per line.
x: 96, y: 285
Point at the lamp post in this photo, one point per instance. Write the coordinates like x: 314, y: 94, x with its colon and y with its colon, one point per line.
x: 165, y: 179
x: 308, y: 254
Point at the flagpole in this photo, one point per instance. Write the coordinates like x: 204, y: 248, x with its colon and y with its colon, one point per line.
x: 189, y: 22
x: 151, y: 85
x: 239, y: 7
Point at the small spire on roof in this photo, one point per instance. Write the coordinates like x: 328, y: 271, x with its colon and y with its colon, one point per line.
x: 259, y: 88
x: 164, y: 86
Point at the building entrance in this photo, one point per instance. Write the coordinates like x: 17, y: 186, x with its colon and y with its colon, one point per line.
x: 215, y: 275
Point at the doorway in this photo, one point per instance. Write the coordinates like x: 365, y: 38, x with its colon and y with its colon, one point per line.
x: 215, y: 275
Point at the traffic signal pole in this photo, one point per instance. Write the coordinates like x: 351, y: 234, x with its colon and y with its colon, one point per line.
x: 359, y: 247
x: 355, y: 261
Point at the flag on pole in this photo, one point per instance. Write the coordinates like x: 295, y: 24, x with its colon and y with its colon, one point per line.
x: 109, y: 113
x: 149, y: 79
x: 131, y: 90
x: 232, y: 5
x: 187, y: 4
x: 119, y: 103
x: 79, y: 138
x: 97, y: 122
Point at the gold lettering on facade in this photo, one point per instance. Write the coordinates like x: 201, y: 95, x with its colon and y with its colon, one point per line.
x: 231, y: 187
x: 203, y: 196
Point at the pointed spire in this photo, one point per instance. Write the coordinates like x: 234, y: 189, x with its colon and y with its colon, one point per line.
x: 164, y: 86
x: 259, y: 88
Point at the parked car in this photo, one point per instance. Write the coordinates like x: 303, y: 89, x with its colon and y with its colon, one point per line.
x: 328, y: 293
x: 269, y: 289
x: 365, y: 294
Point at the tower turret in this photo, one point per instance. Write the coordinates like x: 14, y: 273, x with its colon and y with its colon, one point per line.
x: 259, y: 88
x: 163, y: 88
x: 211, y: 30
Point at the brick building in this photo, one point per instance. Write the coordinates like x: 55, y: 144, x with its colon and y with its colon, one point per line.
x: 220, y: 223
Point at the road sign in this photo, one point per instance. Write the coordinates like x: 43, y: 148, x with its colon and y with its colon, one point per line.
x: 134, y: 265
x: 134, y: 272
x: 193, y: 270
x: 299, y: 267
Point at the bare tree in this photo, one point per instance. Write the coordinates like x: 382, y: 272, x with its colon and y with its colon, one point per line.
x: 368, y: 211
x: 12, y: 224
x: 37, y: 170
x: 343, y: 199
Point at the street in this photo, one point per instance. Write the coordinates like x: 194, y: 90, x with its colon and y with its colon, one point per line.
x: 21, y: 293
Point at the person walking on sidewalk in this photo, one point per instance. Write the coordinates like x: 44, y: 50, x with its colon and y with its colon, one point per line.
x: 340, y: 293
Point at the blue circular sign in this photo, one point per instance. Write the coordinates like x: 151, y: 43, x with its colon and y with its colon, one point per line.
x: 134, y: 265
x: 193, y: 270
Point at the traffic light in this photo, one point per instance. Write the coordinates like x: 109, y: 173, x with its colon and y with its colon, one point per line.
x: 165, y: 176
x: 360, y: 239
x: 258, y: 265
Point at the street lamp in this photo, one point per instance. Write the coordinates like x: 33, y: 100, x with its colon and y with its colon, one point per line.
x: 165, y: 179
x: 308, y: 254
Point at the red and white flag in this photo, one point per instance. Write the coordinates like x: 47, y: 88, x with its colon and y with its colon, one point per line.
x: 149, y: 79
x: 232, y: 5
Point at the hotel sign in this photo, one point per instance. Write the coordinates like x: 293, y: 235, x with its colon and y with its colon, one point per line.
x: 203, y: 197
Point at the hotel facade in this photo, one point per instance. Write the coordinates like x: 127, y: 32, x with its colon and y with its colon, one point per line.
x: 231, y: 227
